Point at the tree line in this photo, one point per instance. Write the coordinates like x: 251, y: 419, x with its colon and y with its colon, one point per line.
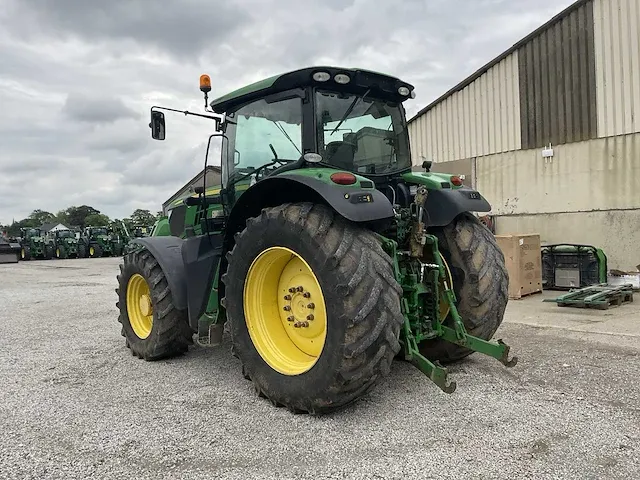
x: 80, y: 217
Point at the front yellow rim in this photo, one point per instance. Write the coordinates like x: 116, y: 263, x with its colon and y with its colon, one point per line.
x: 139, y: 306
x: 91, y: 251
x: 23, y: 253
x: 57, y: 252
x: 285, y: 311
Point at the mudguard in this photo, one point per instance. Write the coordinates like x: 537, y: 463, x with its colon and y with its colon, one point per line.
x: 352, y: 202
x: 168, y: 252
x: 201, y: 256
x: 444, y: 205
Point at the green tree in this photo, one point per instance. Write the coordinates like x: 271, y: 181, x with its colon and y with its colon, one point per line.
x: 97, y: 220
x: 41, y: 216
x: 76, y: 216
x: 63, y: 217
x: 142, y: 217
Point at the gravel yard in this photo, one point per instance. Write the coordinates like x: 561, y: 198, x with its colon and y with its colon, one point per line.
x: 75, y: 403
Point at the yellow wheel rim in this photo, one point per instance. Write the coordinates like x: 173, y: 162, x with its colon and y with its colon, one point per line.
x: 23, y: 253
x: 57, y: 252
x: 91, y: 251
x: 139, y: 306
x: 285, y: 311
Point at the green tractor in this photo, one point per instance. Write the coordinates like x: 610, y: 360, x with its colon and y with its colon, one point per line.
x: 322, y: 251
x: 97, y: 242
x: 65, y: 244
x: 34, y: 244
x: 160, y: 227
x: 138, y: 231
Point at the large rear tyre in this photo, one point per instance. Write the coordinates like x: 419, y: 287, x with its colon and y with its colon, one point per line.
x: 480, y: 283
x: 313, y: 306
x: 154, y: 329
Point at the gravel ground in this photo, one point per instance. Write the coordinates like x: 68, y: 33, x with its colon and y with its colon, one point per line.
x: 74, y: 403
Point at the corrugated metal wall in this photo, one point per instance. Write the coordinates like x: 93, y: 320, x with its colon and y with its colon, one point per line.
x: 557, y: 82
x: 481, y: 119
x: 617, y: 53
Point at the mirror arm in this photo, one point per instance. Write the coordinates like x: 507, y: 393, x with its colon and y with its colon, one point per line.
x: 217, y: 119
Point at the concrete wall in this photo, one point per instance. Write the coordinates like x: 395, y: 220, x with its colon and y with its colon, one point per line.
x: 587, y: 192
x: 617, y: 232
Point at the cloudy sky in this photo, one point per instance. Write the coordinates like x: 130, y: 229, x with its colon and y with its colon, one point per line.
x: 77, y: 78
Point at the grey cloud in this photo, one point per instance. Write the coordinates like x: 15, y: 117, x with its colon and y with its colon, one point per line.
x: 96, y: 109
x: 184, y: 28
x: 77, y: 78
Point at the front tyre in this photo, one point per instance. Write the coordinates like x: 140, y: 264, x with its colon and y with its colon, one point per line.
x: 480, y: 283
x: 154, y: 329
x: 314, y: 307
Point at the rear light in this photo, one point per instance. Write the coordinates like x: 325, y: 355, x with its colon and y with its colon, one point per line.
x: 343, y: 178
x: 456, y: 180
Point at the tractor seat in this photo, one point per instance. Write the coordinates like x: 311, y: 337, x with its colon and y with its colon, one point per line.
x: 341, y: 155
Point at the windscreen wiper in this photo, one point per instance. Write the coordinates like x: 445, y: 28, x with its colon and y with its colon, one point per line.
x: 349, y: 110
x: 286, y: 135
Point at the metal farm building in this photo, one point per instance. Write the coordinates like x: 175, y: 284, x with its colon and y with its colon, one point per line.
x: 549, y: 131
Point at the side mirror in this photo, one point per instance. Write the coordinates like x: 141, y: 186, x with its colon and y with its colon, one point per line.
x: 157, y: 125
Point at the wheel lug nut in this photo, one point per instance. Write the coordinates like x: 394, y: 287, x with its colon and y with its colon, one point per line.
x: 310, y: 317
x: 311, y: 305
x: 291, y: 290
x: 291, y: 318
x: 287, y: 297
x: 297, y: 324
x: 287, y: 308
x: 305, y: 324
x: 306, y: 295
x: 300, y: 289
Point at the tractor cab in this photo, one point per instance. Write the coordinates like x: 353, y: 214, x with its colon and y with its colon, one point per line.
x: 346, y: 119
x: 64, y: 234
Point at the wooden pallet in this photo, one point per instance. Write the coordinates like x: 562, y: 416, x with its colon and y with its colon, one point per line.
x: 600, y: 296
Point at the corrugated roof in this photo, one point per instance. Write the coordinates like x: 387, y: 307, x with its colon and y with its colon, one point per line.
x: 210, y: 168
x: 478, y: 73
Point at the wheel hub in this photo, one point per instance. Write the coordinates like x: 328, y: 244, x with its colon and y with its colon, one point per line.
x: 145, y: 305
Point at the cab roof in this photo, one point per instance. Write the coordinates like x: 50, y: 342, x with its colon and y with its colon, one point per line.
x: 360, y: 80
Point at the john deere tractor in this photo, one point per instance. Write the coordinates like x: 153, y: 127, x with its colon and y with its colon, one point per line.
x: 65, y: 244
x: 323, y: 251
x: 34, y: 244
x: 97, y: 242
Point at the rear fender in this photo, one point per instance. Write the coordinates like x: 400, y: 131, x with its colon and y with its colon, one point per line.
x: 444, y: 205
x: 355, y: 203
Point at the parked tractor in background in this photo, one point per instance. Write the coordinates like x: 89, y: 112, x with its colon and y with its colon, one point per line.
x: 9, y: 249
x: 35, y: 245
x: 65, y: 244
x: 138, y: 231
x: 97, y: 242
x: 326, y: 254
